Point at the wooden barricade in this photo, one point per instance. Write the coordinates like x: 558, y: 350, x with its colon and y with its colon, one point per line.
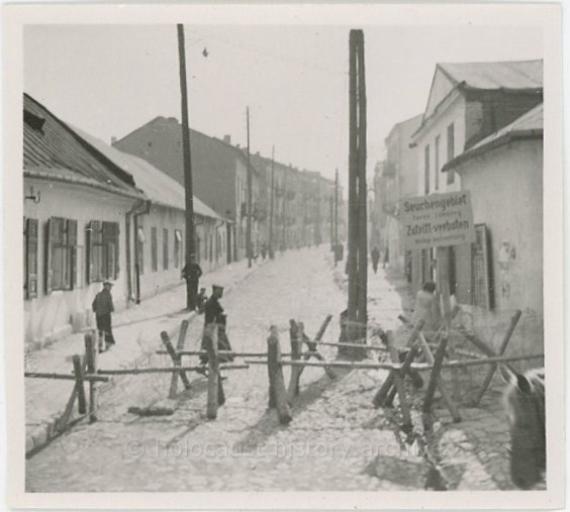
x: 277, y: 392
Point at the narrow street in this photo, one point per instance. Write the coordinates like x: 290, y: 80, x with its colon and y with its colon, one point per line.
x: 336, y: 441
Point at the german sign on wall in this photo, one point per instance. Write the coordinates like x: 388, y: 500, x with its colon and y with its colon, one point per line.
x: 437, y: 220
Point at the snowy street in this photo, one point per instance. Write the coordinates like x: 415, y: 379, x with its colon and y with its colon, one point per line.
x: 336, y: 441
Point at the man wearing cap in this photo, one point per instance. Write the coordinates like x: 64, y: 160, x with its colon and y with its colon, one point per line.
x: 212, y: 312
x: 103, y: 307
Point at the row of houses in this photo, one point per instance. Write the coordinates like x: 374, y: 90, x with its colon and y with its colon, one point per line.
x: 96, y: 212
x: 301, y: 198
x: 481, y: 131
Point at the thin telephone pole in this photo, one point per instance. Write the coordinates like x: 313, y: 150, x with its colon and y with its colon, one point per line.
x: 248, y: 233
x: 357, y: 232
x: 187, y: 163
x: 336, y: 216
x: 271, y: 254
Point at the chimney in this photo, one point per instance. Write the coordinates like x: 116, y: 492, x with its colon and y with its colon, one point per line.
x: 228, y: 139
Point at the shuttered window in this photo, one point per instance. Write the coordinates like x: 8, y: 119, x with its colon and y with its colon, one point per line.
x: 102, y: 251
x: 165, y: 255
x: 482, y: 282
x: 153, y: 249
x: 450, y: 152
x: 60, y: 254
x: 30, y: 258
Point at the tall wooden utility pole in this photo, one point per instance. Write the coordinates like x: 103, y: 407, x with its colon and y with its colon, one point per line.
x: 362, y: 192
x: 283, y: 213
x: 248, y: 232
x: 187, y: 163
x: 336, y: 216
x: 271, y: 249
x: 331, y: 221
x: 357, y: 228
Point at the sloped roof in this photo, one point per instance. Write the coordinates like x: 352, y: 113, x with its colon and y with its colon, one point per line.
x: 158, y: 186
x: 53, y: 151
x: 526, y: 74
x: 529, y: 125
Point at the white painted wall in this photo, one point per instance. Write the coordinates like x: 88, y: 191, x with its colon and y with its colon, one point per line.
x: 51, y: 316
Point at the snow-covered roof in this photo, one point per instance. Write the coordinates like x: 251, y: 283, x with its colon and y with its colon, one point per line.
x: 158, y: 186
x: 529, y: 125
x: 526, y: 74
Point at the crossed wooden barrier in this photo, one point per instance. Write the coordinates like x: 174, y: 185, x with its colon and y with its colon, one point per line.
x: 85, y: 368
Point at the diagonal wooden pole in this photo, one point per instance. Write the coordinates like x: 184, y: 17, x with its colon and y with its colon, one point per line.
x: 491, y: 371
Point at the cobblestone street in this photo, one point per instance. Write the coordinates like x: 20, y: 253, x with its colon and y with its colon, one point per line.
x: 336, y: 441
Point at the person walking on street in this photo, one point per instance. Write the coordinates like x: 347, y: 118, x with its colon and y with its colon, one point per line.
x: 212, y: 311
x: 103, y: 307
x: 375, y: 258
x: 386, y: 257
x: 192, y: 273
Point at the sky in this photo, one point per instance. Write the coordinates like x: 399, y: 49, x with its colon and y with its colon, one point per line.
x: 110, y: 79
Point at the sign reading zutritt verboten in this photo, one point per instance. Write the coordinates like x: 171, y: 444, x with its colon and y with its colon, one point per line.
x: 437, y: 220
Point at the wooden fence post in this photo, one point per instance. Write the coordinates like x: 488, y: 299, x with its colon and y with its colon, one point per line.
x: 444, y: 395
x: 382, y: 393
x: 91, y: 352
x: 78, y: 372
x: 178, y: 360
x: 211, y: 335
x: 296, y: 347
x: 276, y: 377
x: 410, y: 356
x: 174, y: 356
x: 436, y: 370
x: 399, y: 383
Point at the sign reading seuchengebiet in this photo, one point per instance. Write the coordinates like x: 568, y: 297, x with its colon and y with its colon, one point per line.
x: 436, y: 220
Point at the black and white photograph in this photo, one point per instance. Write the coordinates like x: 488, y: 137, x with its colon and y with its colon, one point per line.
x: 284, y: 250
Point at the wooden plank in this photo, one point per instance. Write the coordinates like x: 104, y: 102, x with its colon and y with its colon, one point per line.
x: 384, y: 390
x: 178, y: 360
x: 170, y: 349
x: 399, y: 382
x: 444, y: 395
x: 78, y: 372
x: 491, y: 371
x: 276, y: 376
x: 413, y: 366
x: 354, y: 345
x: 220, y: 353
x: 406, y: 365
x: 199, y: 369
x: 296, y: 347
x: 65, y: 376
x: 91, y: 353
x: 437, y: 365
x: 63, y: 420
x: 211, y: 343
x: 323, y: 328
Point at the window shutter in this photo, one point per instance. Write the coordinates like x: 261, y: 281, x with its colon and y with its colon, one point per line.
x: 47, y: 270
x: 31, y: 258
x: 72, y: 248
x: 116, y: 237
x: 91, y: 237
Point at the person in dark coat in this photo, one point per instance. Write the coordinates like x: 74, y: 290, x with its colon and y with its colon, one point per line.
x: 375, y: 258
x: 212, y: 311
x: 103, y: 307
x: 223, y: 340
x: 192, y: 273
